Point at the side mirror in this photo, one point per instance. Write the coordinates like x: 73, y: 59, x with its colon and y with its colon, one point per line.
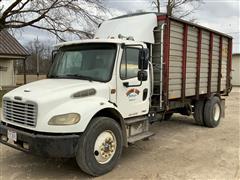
x: 143, y: 59
x: 142, y: 75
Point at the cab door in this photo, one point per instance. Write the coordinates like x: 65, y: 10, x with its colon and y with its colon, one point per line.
x: 132, y: 95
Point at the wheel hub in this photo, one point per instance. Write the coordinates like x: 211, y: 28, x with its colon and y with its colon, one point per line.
x: 216, y: 112
x: 105, y: 147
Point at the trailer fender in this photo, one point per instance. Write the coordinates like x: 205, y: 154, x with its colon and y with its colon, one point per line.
x: 215, y: 95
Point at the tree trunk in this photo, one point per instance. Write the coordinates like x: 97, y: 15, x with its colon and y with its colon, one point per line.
x: 158, y: 6
x: 170, y: 7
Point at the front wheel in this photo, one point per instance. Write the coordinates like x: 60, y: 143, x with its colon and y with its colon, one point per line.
x: 100, y: 146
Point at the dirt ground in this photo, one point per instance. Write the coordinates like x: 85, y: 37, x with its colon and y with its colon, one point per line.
x: 179, y: 150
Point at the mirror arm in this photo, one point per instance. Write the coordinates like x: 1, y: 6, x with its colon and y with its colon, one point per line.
x: 53, y: 52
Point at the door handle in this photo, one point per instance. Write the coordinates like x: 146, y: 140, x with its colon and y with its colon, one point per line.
x: 145, y: 93
x: 126, y: 84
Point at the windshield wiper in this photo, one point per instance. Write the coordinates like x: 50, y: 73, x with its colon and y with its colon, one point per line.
x: 53, y: 76
x: 77, y: 76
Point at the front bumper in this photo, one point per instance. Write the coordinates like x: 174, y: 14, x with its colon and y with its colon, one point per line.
x: 42, y: 144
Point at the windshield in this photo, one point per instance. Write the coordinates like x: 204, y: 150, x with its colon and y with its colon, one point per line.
x: 87, y: 61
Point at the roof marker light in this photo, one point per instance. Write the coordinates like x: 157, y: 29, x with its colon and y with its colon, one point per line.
x: 130, y: 38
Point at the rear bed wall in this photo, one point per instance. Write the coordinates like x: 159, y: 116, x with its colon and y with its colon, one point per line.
x: 198, y: 61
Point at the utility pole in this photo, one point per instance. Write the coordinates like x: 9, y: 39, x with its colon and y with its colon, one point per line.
x: 37, y: 65
x: 37, y: 46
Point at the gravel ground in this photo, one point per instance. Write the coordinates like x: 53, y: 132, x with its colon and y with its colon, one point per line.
x: 179, y: 150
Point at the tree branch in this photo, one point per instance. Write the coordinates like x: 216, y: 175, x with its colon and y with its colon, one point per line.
x: 56, y: 16
x: 18, y: 10
x: 10, y: 8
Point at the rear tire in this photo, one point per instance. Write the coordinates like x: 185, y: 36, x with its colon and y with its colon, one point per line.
x: 100, y: 146
x: 212, y: 112
x: 198, y: 112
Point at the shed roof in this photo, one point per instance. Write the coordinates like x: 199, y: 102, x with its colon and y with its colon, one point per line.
x: 9, y: 46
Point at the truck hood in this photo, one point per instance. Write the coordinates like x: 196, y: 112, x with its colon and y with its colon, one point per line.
x: 51, y: 97
x: 56, y: 89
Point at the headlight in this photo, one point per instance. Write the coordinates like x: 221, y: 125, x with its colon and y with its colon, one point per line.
x: 65, y: 119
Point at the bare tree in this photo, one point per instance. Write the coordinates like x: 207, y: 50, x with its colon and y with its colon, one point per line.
x: 182, y: 8
x: 54, y: 16
x: 40, y: 57
x: 156, y: 3
x: 179, y: 8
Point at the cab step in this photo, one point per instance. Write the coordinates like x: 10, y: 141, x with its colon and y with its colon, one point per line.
x: 130, y: 121
x: 140, y: 136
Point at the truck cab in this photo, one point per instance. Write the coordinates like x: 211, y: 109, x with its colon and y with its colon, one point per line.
x: 89, y: 82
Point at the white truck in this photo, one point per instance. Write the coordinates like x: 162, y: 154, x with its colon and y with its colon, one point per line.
x: 102, y: 94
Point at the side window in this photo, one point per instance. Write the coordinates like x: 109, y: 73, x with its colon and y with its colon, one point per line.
x: 129, y: 63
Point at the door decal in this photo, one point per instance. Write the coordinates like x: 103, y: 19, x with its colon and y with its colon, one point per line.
x: 132, y: 94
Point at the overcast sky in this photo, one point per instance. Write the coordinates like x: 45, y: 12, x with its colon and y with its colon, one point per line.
x: 221, y: 15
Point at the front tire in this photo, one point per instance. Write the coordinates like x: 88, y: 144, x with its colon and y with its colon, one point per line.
x: 100, y: 146
x: 212, y: 112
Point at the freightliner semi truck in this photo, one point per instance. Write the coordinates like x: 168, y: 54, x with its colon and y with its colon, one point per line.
x: 103, y: 94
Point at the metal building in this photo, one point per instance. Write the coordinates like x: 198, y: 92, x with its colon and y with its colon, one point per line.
x: 10, y: 51
x: 236, y: 69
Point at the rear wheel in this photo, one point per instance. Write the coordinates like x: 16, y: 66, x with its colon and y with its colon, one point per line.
x: 100, y: 146
x: 198, y: 112
x: 212, y: 112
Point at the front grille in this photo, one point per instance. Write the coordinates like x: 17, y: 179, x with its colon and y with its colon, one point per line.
x: 20, y: 113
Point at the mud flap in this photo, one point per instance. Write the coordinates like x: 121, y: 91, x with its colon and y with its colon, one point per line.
x: 223, y: 107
